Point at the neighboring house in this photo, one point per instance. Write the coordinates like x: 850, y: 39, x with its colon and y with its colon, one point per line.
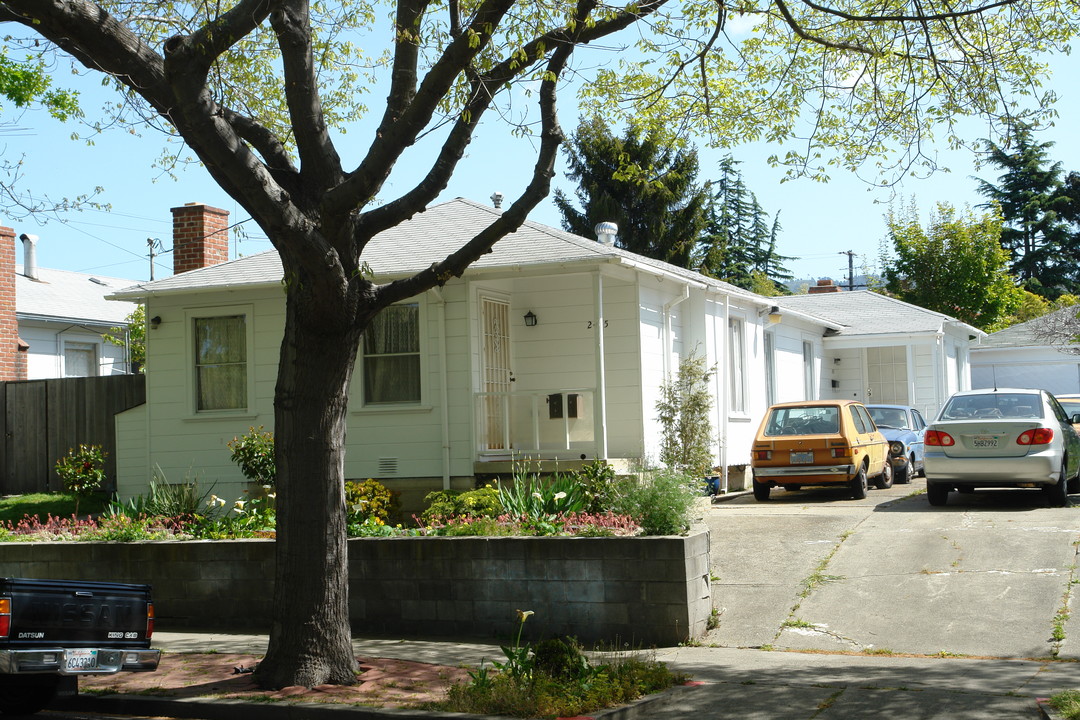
x: 552, y: 347
x: 59, y: 318
x: 886, y: 350
x: 1018, y: 357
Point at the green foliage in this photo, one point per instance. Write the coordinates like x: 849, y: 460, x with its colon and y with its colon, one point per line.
x: 955, y: 266
x: 39, y: 505
x: 165, y: 499
x: 82, y: 471
x: 133, y: 337
x: 646, y: 184
x: 1067, y: 703
x: 597, y: 481
x: 1042, y: 246
x: 254, y: 453
x: 531, y: 497
x: 372, y: 501
x: 660, y: 501
x: 26, y: 83
x: 255, y: 516
x: 479, y: 503
x: 683, y: 411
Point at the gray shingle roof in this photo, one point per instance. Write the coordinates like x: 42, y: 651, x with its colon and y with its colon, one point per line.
x: 864, y: 312
x: 70, y: 296
x: 427, y: 238
x: 1024, y: 334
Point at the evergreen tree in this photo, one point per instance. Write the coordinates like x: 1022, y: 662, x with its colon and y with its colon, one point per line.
x: 1043, y: 251
x: 645, y: 185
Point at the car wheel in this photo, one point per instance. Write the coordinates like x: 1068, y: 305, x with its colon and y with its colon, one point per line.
x: 26, y: 694
x: 937, y: 494
x: 902, y: 475
x: 792, y: 487
x: 761, y: 491
x: 1058, y: 494
x: 884, y: 481
x: 858, y: 484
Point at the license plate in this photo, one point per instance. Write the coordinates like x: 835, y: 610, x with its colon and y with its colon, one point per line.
x: 80, y: 659
x: 984, y: 441
x: 802, y: 458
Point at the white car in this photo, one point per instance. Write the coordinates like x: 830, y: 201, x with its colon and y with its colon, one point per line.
x: 1002, y: 438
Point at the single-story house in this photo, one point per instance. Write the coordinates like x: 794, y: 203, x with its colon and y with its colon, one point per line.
x: 1022, y: 356
x: 56, y: 318
x: 885, y: 350
x: 551, y: 348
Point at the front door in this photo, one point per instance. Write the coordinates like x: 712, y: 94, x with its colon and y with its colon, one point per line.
x: 495, y: 374
x: 887, y: 376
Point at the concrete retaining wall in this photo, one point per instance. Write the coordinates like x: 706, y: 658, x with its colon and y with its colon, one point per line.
x: 644, y: 591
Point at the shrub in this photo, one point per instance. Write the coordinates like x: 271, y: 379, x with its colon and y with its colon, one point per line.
x: 683, y: 411
x: 660, y: 501
x: 371, y: 500
x: 174, y: 500
x: 597, y: 481
x: 444, y: 504
x: 531, y: 497
x: 82, y: 471
x: 254, y: 453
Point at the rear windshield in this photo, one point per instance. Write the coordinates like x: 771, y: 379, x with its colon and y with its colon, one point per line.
x: 993, y: 405
x: 803, y: 421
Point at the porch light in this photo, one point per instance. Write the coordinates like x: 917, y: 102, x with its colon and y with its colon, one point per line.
x: 530, y: 319
x: 155, y: 321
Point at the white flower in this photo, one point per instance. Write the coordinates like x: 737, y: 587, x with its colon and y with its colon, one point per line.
x: 560, y: 495
x: 538, y: 496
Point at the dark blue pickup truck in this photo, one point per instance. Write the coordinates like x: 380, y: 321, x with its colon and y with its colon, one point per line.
x: 52, y: 629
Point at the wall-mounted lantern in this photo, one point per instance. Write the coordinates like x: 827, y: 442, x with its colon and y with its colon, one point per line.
x: 530, y: 319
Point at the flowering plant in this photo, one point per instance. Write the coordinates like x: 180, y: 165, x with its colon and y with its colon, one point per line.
x: 82, y: 470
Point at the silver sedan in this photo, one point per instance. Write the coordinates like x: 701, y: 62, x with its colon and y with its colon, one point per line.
x: 1002, y: 438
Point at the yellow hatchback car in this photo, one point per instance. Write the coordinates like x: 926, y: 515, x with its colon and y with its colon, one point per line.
x: 819, y: 442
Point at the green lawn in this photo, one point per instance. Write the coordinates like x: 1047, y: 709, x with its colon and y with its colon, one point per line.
x: 14, y: 507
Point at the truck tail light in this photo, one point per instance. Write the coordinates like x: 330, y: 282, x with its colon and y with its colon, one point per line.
x: 1036, y: 436
x: 149, y: 620
x: 5, y: 617
x: 763, y: 454
x: 939, y: 438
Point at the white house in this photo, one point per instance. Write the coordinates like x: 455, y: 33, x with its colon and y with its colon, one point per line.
x: 885, y: 350
x: 551, y: 347
x: 59, y: 317
x: 1020, y: 356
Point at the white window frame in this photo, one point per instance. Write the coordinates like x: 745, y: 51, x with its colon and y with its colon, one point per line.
x: 193, y: 314
x: 81, y: 343
x: 737, y: 380
x: 358, y: 379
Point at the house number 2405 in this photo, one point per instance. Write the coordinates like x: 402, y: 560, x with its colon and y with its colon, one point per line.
x: 591, y: 324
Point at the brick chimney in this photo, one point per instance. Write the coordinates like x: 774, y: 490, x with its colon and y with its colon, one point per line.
x: 200, y: 237
x: 825, y: 285
x: 12, y: 360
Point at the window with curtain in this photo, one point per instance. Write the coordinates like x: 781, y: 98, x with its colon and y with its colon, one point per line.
x: 221, y: 371
x: 80, y: 359
x: 737, y: 366
x: 391, y: 350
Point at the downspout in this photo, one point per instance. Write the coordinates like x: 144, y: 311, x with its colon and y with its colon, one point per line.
x: 667, y: 329
x: 600, y: 403
x: 146, y: 384
x: 444, y: 392
x: 942, y: 370
x: 725, y: 384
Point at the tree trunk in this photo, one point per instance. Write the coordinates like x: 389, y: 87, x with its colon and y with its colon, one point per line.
x: 310, y: 639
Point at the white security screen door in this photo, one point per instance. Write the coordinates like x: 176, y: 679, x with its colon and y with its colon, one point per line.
x: 887, y: 375
x: 495, y: 369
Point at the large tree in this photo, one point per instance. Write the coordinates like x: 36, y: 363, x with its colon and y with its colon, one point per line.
x: 955, y: 265
x: 254, y: 88
x: 647, y: 185
x: 1033, y: 202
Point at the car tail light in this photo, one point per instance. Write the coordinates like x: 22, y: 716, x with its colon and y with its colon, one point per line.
x: 1036, y: 436
x: 841, y: 452
x: 149, y: 620
x: 939, y: 438
x: 763, y: 454
x: 5, y: 617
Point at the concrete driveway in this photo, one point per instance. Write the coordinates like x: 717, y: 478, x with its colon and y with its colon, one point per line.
x: 992, y: 574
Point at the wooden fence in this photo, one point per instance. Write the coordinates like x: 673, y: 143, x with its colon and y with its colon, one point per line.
x: 42, y: 419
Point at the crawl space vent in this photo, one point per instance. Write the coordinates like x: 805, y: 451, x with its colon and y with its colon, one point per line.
x: 388, y: 466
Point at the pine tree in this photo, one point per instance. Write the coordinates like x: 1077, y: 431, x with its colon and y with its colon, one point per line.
x: 1043, y: 251
x: 646, y: 185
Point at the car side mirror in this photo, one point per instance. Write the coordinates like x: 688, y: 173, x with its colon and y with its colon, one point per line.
x: 1075, y: 419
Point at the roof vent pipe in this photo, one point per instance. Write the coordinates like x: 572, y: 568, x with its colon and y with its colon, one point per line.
x: 496, y: 199
x: 606, y: 232
x: 29, y: 255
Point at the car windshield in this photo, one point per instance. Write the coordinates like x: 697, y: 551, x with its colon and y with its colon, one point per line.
x: 993, y: 405
x: 814, y: 420
x: 890, y: 417
x: 1072, y: 407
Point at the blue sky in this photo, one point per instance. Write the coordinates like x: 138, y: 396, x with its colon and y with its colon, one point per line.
x: 820, y: 221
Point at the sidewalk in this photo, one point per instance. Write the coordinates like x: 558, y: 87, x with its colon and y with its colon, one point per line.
x: 737, y: 683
